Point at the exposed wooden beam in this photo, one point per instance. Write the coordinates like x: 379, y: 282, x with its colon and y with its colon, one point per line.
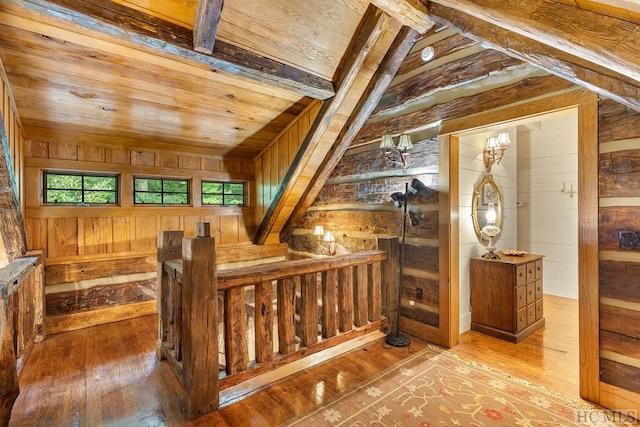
x: 113, y: 19
x: 462, y: 107
x: 609, y: 42
x: 411, y: 13
x: 452, y: 75
x: 367, y: 34
x: 591, y: 76
x: 11, y: 221
x: 381, y: 80
x: 205, y: 26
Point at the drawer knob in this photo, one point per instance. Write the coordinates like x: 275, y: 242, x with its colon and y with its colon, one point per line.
x: 522, y: 319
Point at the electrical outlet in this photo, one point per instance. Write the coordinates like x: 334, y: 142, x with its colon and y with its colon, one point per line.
x: 412, y: 302
x: 419, y: 293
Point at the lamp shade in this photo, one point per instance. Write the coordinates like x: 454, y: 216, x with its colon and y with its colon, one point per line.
x: 491, y: 214
x: 492, y: 143
x: 387, y: 142
x: 503, y: 138
x: 405, y: 142
x: 318, y: 230
x: 329, y: 237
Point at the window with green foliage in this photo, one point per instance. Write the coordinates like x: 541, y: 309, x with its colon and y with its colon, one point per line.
x: 160, y: 191
x: 223, y: 193
x: 80, y: 188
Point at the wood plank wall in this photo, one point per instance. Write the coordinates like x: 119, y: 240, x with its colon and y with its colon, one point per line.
x: 15, y: 137
x: 274, y: 161
x: 355, y: 204
x: 100, y: 260
x: 619, y: 245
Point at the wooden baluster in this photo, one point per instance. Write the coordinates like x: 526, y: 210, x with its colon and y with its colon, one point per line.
x: 264, y: 322
x: 235, y: 328
x: 171, y: 321
x: 200, y: 326
x: 286, y: 316
x: 345, y: 299
x: 390, y: 279
x: 360, y: 295
x: 375, y: 292
x: 329, y: 301
x: 309, y: 309
x: 178, y: 318
x: 169, y: 247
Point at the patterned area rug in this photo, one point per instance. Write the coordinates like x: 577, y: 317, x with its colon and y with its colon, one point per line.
x: 437, y: 388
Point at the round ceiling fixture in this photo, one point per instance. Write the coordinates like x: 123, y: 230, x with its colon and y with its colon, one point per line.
x: 427, y: 53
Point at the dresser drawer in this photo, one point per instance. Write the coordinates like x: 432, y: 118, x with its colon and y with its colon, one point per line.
x: 531, y: 293
x: 521, y: 319
x: 538, y: 289
x: 521, y: 275
x: 531, y: 314
x: 538, y: 270
x: 521, y: 297
x: 531, y: 272
x: 539, y: 311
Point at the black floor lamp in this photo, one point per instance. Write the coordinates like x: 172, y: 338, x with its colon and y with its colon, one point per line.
x: 395, y: 338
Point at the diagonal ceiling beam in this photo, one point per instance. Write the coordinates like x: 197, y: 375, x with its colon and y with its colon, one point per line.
x: 609, y: 42
x: 205, y: 26
x: 381, y: 80
x: 367, y: 35
x: 113, y: 19
x: 583, y: 73
x: 410, y: 13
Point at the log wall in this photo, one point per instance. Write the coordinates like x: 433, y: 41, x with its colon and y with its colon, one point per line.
x: 100, y: 260
x: 355, y: 204
x: 619, y: 245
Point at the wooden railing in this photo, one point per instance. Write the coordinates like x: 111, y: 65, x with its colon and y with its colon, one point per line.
x: 21, y: 323
x: 220, y: 328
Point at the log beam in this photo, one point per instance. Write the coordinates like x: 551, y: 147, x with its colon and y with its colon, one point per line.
x: 578, y: 71
x: 205, y: 26
x: 462, y: 107
x: 410, y: 13
x: 11, y: 221
x: 367, y: 35
x: 146, y: 31
x: 381, y: 80
x: 598, y: 39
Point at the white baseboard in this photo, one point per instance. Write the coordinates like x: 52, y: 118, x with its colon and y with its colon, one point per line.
x: 465, y: 323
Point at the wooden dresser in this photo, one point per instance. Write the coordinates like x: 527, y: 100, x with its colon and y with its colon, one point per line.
x: 506, y: 296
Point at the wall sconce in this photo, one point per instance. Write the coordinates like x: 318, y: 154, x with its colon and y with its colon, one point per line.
x: 318, y: 231
x: 330, y: 240
x: 399, y: 155
x: 491, y: 230
x: 570, y: 192
x: 494, y: 150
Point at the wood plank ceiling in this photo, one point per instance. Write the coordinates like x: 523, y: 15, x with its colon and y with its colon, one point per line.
x: 124, y: 72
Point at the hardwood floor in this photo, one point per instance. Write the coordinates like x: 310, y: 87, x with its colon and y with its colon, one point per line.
x: 108, y: 375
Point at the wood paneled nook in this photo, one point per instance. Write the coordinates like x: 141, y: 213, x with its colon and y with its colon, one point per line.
x: 176, y: 101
